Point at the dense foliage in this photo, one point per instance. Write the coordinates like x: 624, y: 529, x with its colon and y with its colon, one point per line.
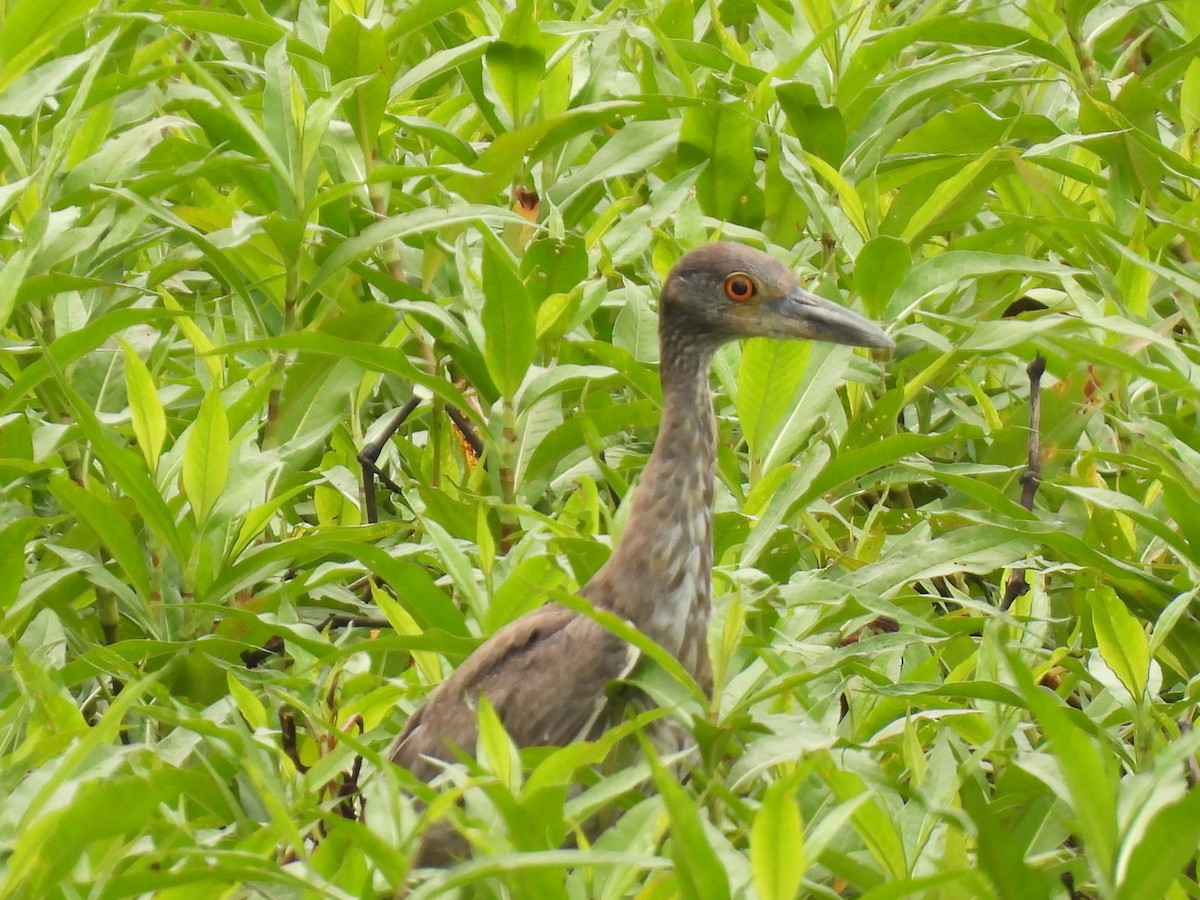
x: 236, y: 237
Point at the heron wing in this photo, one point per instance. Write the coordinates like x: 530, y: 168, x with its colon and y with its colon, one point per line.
x: 545, y: 675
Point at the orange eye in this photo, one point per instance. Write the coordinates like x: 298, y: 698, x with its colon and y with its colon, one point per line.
x: 739, y: 287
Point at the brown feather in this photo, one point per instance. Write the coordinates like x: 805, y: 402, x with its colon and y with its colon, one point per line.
x: 545, y: 676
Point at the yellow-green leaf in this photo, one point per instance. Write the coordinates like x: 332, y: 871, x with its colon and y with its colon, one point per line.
x: 516, y: 62
x: 508, y: 319
x: 206, y: 459
x: 768, y: 377
x: 1121, y: 639
x: 701, y: 874
x: 497, y: 748
x: 248, y: 704
x: 777, y: 843
x: 852, y: 203
x: 145, y: 408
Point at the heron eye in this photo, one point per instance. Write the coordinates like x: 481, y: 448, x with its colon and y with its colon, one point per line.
x: 739, y: 287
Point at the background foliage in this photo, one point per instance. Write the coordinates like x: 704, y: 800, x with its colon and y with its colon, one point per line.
x: 237, y: 236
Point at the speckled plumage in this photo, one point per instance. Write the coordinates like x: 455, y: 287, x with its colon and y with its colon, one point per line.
x: 546, y: 674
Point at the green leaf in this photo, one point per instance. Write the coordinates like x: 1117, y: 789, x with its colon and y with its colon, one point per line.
x: 880, y: 268
x: 1121, y: 639
x: 872, y: 822
x: 101, y: 810
x: 496, y: 749
x: 248, y: 704
x: 701, y: 874
x: 1170, y: 616
x: 777, y: 843
x: 13, y: 538
x: 113, y: 531
x: 721, y: 133
x: 801, y: 487
x: 930, y: 214
x: 261, y: 31
x: 945, y: 270
x: 11, y: 277
x: 508, y: 319
x: 32, y: 29
x: 551, y: 266
x: 1163, y: 851
x: 400, y: 226
x: 1189, y: 97
x: 357, y: 48
x: 454, y: 560
x: 145, y: 408
x: 523, y: 590
x: 369, y: 355
x: 516, y: 62
x: 634, y: 149
x: 206, y: 458
x: 279, y: 123
x: 69, y: 347
x: 820, y: 128
x: 122, y: 466
x: 1089, y: 778
x: 768, y: 377
x: 54, y: 719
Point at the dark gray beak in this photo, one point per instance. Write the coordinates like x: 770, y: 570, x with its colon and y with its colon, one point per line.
x: 803, y: 315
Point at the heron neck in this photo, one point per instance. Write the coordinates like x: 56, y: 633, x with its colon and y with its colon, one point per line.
x: 664, y: 557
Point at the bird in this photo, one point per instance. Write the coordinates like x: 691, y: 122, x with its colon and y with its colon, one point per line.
x: 547, y: 673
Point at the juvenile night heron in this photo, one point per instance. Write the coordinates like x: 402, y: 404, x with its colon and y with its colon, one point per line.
x: 546, y: 673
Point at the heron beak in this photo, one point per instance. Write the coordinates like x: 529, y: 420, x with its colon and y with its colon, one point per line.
x: 806, y: 315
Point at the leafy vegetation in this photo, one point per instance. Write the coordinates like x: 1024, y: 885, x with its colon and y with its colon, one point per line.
x: 238, y: 236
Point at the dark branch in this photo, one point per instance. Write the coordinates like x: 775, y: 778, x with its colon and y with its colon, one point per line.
x: 1018, y: 583
x: 340, y: 621
x: 287, y: 738
x: 464, y: 427
x: 255, y: 658
x: 370, y: 455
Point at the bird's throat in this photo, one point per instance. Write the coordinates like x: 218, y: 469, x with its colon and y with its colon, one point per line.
x: 660, y: 575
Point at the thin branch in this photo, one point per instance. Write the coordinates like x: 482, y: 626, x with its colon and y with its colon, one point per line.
x: 1018, y: 583
x: 287, y: 738
x: 274, y: 646
x: 474, y: 441
x: 370, y: 455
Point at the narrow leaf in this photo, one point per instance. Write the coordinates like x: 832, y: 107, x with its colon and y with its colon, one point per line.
x: 508, y: 319
x: 516, y: 62
x: 121, y: 464
x: 1167, y: 844
x: 721, y: 134
x: 206, y: 459
x: 114, y: 531
x: 768, y: 377
x: 145, y: 408
x: 1121, y: 639
x: 701, y: 875
x: 880, y: 269
x: 1089, y: 780
x: 777, y: 843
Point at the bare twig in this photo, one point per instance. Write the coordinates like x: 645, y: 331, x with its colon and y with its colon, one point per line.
x: 255, y: 658
x: 287, y: 738
x: 370, y: 455
x: 339, y: 621
x: 345, y: 786
x: 1018, y: 583
x: 474, y: 441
